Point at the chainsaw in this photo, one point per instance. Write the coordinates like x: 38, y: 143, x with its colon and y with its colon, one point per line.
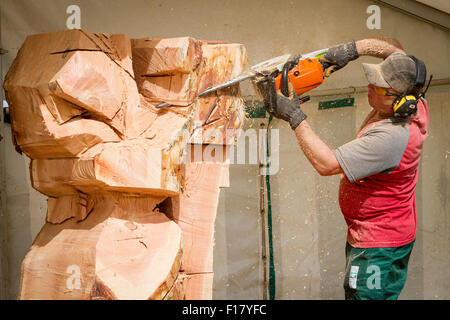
x: 301, y: 73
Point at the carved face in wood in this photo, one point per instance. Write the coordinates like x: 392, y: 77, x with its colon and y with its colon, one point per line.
x: 82, y: 107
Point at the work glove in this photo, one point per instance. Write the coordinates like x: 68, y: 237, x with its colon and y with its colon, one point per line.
x: 280, y: 106
x: 339, y: 56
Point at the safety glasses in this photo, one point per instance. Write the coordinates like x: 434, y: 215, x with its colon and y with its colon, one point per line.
x: 383, y: 91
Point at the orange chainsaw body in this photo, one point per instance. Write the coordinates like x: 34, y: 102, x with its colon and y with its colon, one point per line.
x: 306, y: 75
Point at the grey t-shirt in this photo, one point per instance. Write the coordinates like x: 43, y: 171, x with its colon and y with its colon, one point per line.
x: 379, y: 150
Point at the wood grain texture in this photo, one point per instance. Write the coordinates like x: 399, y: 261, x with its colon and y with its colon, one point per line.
x: 82, y: 107
x: 195, y: 212
x: 123, y: 250
x: 199, y: 286
x: 167, y: 69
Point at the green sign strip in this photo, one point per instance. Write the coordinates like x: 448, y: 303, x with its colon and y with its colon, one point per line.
x: 339, y: 103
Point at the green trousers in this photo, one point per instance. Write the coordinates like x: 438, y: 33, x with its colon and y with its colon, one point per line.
x: 375, y: 273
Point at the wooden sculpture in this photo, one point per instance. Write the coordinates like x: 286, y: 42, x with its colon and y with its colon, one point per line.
x: 130, y: 214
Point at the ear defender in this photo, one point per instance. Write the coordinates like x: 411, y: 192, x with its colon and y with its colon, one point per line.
x: 406, y: 104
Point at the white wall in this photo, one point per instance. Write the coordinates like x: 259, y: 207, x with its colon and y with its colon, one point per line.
x: 308, y: 231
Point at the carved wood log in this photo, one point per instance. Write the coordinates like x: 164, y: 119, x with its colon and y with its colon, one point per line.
x: 167, y: 69
x: 199, y: 286
x: 82, y: 108
x: 195, y: 212
x: 123, y: 250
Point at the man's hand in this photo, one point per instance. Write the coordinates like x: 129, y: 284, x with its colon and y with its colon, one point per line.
x: 289, y: 110
x: 280, y: 106
x: 339, y: 56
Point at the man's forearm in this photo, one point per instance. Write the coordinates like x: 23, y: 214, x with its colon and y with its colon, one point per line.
x: 380, y: 47
x: 318, y: 153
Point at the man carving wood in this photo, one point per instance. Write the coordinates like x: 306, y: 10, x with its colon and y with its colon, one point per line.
x: 379, y: 169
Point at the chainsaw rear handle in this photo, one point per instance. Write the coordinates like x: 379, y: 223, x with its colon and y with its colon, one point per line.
x: 303, y: 74
x: 285, y: 77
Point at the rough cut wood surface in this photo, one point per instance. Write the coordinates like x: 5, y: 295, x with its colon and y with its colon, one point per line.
x: 167, y: 69
x: 195, y: 212
x: 199, y: 286
x: 82, y: 107
x: 222, y: 110
x: 123, y: 250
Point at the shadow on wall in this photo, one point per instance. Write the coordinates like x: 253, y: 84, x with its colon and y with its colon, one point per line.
x: 25, y: 210
x: 414, y: 288
x: 18, y: 212
x: 237, y: 238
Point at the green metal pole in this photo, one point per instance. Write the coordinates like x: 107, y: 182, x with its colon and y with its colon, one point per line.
x: 269, y: 220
